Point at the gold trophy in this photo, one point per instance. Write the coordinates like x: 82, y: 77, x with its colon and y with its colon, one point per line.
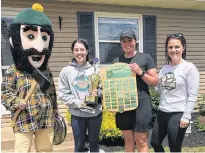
x: 94, y: 81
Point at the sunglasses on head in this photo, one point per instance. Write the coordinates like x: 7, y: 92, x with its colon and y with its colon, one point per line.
x: 175, y: 35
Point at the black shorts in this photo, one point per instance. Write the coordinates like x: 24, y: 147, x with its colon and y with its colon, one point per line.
x: 137, y: 120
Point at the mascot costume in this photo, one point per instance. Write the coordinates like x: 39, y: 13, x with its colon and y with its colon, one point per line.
x: 28, y: 90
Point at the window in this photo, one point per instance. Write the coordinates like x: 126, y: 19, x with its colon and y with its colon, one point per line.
x: 102, y: 30
x: 6, y: 56
x: 107, y: 33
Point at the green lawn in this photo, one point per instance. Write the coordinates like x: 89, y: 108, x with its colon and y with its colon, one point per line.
x: 185, y: 149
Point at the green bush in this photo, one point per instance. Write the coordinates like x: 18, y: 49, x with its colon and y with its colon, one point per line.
x: 108, y: 128
x: 202, y: 106
x: 155, y: 104
x: 200, y: 120
x: 155, y: 98
x: 68, y: 116
x: 200, y: 123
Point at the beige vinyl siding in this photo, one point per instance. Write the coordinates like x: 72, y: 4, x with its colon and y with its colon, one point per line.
x: 190, y: 23
x: 202, y: 83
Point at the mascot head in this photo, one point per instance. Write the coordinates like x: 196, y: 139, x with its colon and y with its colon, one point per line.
x: 31, y: 38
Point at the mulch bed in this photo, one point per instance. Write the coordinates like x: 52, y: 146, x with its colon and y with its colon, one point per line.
x: 194, y: 139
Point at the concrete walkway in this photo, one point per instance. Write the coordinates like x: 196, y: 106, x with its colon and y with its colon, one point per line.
x: 7, y: 141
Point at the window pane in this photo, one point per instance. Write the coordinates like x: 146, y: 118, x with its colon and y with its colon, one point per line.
x: 110, y: 28
x: 108, y: 36
x: 6, y: 56
x: 3, y: 71
x: 109, y: 51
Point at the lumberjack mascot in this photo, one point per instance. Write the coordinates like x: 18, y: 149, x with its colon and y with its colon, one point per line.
x: 28, y: 90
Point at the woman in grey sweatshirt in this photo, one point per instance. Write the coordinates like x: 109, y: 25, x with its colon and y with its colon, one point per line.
x: 178, y: 87
x: 73, y: 86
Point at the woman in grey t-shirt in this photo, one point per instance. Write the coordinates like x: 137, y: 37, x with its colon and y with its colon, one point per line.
x: 178, y: 87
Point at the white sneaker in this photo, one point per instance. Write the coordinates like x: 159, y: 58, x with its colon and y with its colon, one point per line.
x: 100, y: 151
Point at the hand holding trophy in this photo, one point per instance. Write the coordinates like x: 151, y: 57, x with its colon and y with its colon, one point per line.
x: 91, y: 100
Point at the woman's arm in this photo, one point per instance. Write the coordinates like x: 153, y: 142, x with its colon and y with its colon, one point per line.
x: 151, y: 77
x: 192, y: 81
x: 64, y: 92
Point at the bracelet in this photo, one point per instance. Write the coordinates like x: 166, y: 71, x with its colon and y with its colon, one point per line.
x: 143, y: 73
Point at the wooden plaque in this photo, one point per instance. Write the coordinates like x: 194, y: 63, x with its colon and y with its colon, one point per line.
x: 119, y: 88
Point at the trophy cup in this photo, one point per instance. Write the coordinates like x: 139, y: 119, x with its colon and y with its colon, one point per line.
x: 94, y: 81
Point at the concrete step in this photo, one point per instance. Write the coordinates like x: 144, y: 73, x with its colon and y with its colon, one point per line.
x: 5, y: 120
x: 8, y: 142
x: 64, y: 147
x: 5, y: 125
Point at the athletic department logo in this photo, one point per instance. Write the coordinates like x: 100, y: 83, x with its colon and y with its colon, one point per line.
x: 168, y: 81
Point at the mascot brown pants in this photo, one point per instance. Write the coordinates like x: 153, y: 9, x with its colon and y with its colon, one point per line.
x: 43, y: 140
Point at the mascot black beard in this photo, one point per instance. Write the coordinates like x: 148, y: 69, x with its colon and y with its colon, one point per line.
x: 28, y: 90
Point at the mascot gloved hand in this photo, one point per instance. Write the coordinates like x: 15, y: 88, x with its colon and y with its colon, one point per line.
x: 27, y: 88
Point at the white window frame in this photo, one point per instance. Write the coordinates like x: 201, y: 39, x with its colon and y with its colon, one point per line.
x: 117, y: 15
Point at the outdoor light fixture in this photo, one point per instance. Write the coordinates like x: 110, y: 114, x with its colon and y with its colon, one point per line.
x: 60, y: 21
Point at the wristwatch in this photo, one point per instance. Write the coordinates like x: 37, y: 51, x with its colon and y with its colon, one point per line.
x: 143, y: 73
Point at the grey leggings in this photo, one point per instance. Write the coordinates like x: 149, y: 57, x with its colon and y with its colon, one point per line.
x: 168, y: 124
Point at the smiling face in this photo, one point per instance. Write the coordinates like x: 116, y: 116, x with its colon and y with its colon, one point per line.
x: 175, y: 50
x: 80, y: 53
x: 128, y: 45
x: 37, y: 38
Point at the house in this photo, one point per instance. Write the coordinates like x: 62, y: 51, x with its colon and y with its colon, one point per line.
x: 100, y: 21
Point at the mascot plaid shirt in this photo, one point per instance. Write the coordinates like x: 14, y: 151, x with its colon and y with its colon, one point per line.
x: 38, y: 113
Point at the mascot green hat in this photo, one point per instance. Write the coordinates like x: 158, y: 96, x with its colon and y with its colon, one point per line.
x: 32, y: 16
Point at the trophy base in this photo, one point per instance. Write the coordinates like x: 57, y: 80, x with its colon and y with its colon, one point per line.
x: 91, y: 100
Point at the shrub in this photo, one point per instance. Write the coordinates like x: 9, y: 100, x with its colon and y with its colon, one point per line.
x: 202, y: 106
x: 155, y: 104
x: 108, y: 128
x: 68, y: 116
x: 200, y: 123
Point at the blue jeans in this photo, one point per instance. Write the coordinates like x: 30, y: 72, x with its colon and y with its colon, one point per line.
x: 80, y: 125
